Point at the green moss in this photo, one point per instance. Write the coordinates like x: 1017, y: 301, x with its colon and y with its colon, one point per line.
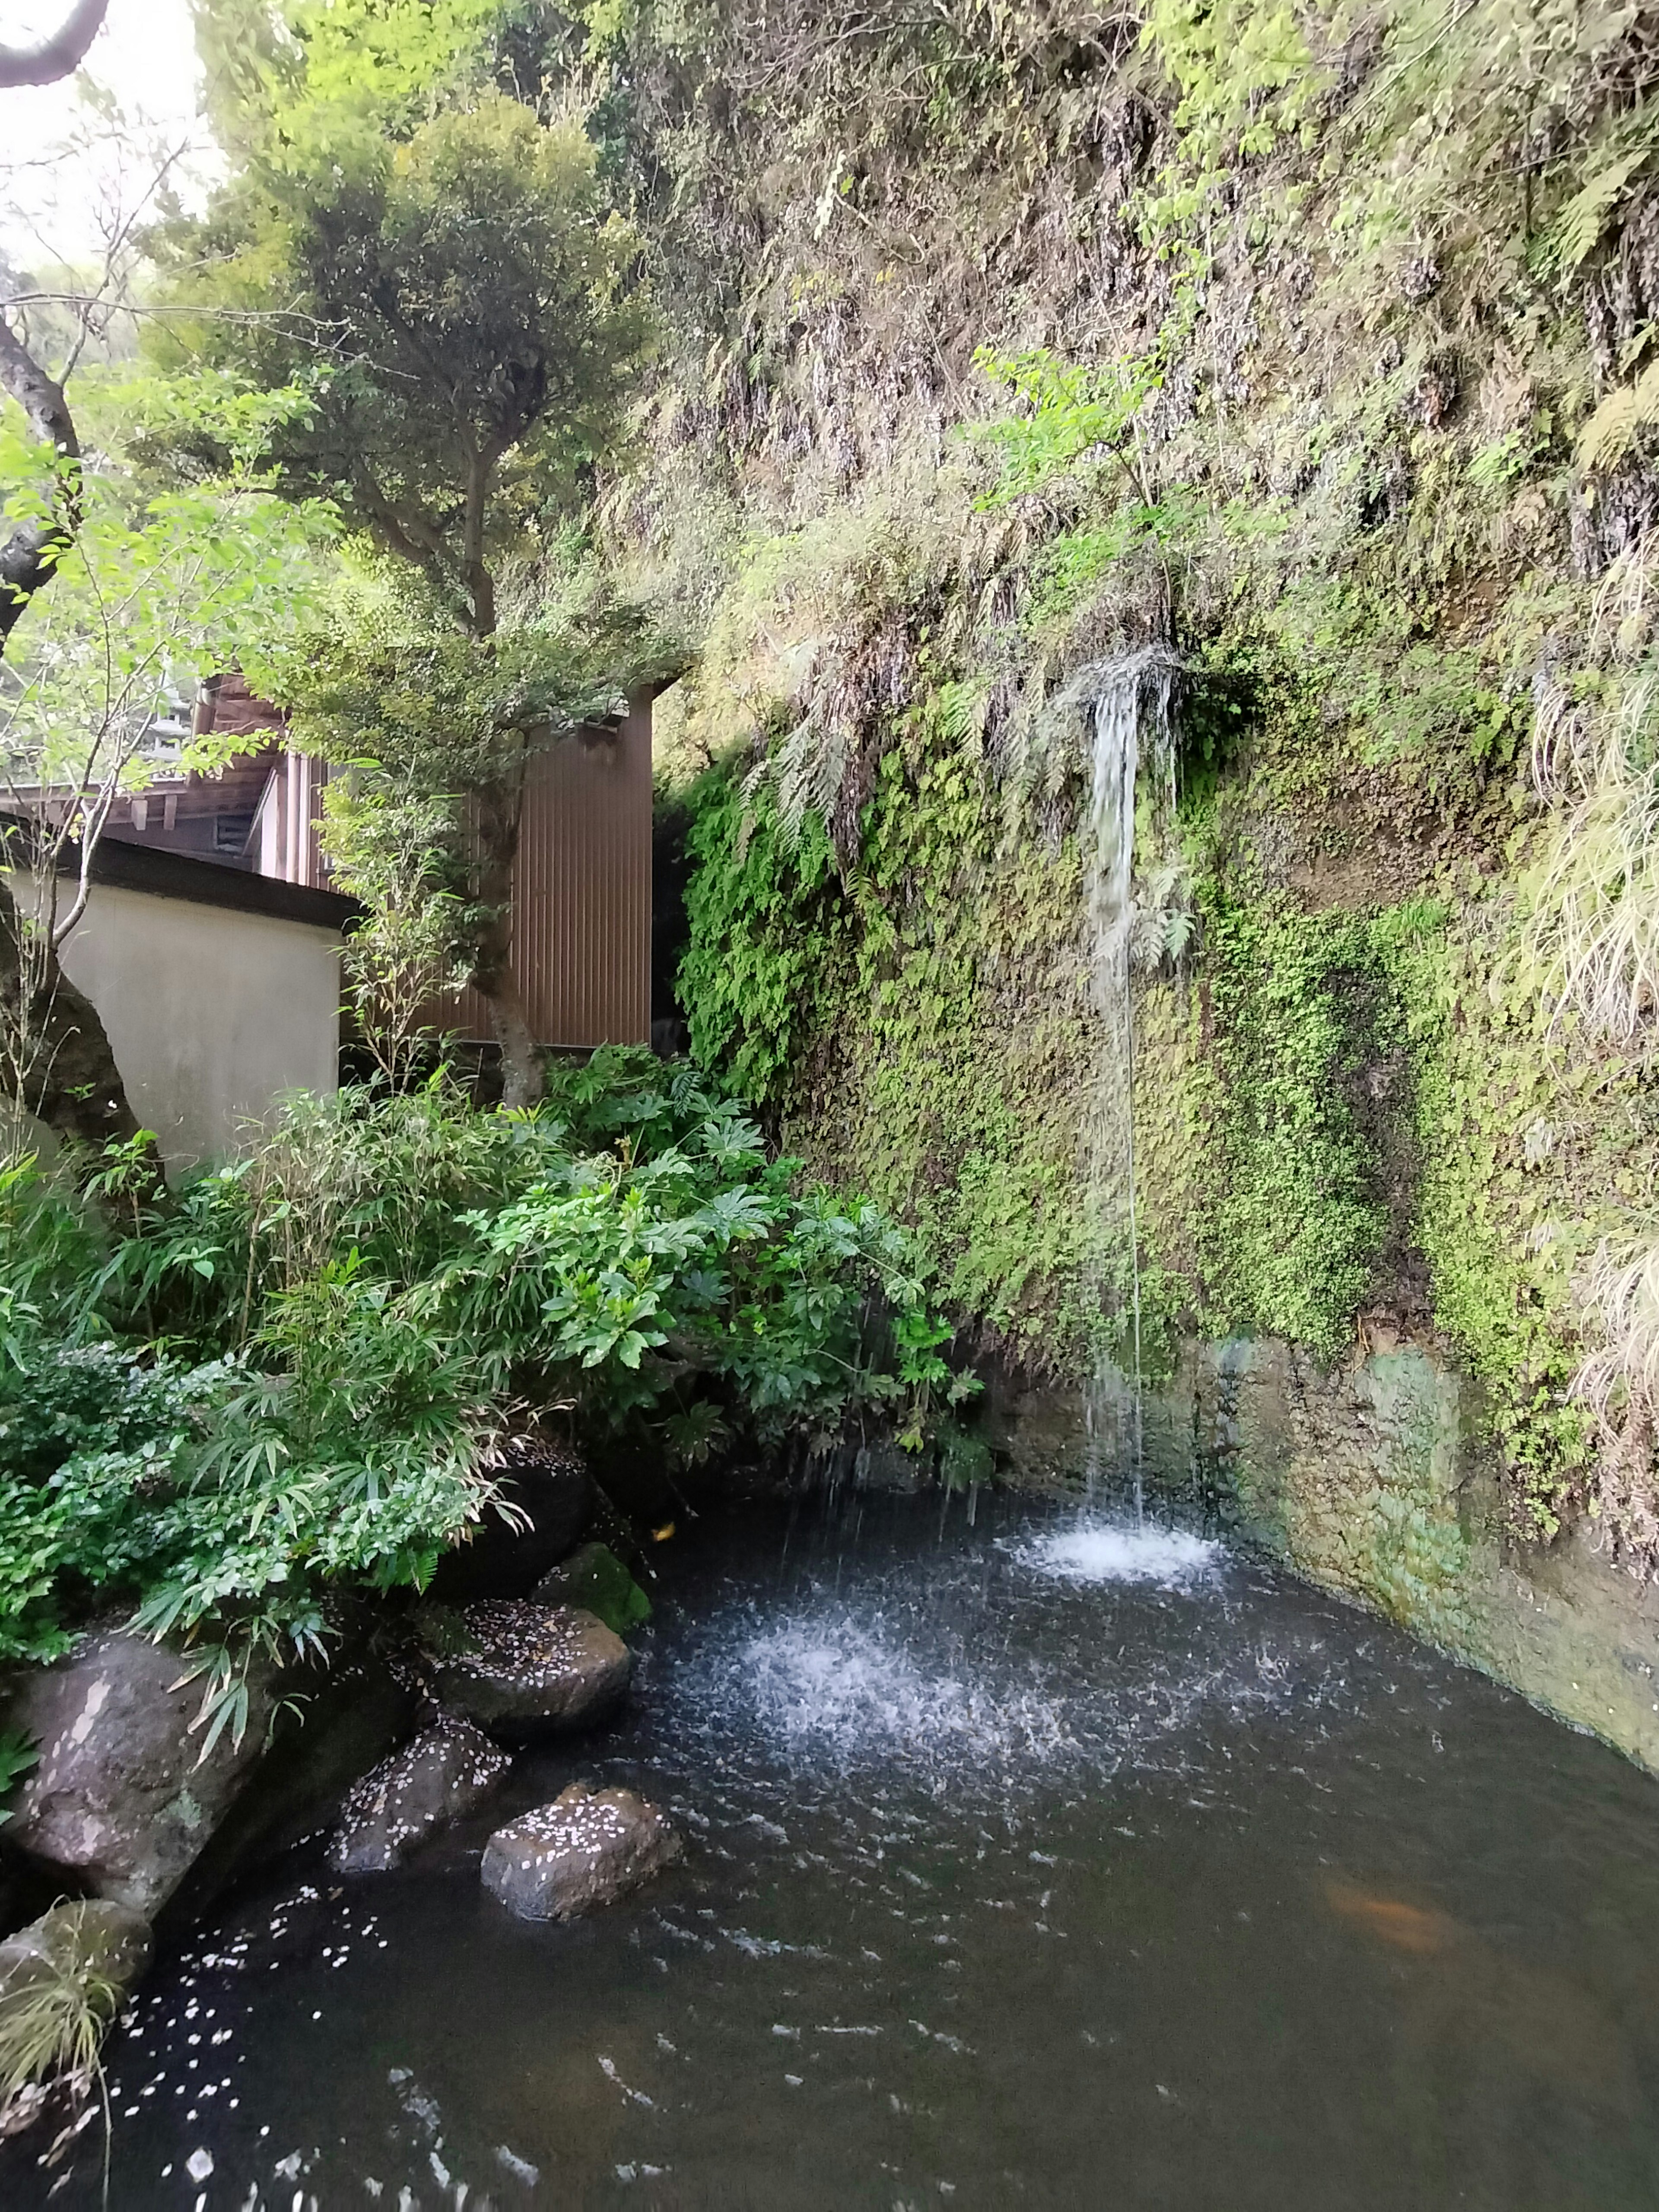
x: 1342, y: 1108
x: 920, y: 1030
x: 760, y: 915
x: 1296, y: 1225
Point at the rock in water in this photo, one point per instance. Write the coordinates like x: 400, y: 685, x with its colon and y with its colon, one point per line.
x: 119, y: 1796
x: 85, y: 1954
x: 91, y: 1940
x: 399, y: 1802
x: 547, y: 1495
x: 531, y: 1668
x: 596, y: 1579
x: 588, y: 1847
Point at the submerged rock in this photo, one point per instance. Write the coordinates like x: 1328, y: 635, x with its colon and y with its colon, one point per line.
x: 594, y: 1578
x: 588, y: 1847
x: 399, y: 1802
x: 528, y: 1668
x: 545, y: 1497
x: 886, y: 1465
x: 122, y: 1796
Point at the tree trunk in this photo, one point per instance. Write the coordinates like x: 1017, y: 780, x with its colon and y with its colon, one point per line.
x: 68, y: 1077
x: 32, y: 547
x: 64, y: 51
x: 501, y: 806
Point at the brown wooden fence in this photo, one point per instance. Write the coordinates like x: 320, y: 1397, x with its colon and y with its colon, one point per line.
x: 581, y: 896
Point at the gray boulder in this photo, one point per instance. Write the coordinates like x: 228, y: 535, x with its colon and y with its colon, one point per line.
x: 588, y: 1847
x: 544, y: 1496
x: 399, y: 1803
x: 121, y: 1796
x: 90, y: 1940
x: 528, y: 1669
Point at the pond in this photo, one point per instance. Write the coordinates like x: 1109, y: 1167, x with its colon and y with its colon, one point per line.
x: 1034, y: 1861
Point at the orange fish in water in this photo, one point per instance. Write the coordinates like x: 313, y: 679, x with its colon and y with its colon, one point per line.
x: 1465, y: 1989
x: 1409, y: 1928
x: 661, y: 1535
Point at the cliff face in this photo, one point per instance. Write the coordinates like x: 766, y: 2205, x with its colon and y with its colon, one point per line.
x: 1003, y: 339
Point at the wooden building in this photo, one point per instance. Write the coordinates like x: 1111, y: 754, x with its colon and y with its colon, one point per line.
x: 581, y: 902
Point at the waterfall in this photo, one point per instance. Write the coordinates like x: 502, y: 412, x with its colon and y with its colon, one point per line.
x: 1128, y: 699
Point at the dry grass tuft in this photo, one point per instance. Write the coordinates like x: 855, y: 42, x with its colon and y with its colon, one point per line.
x: 1597, y: 930
x: 54, y: 2010
x: 1619, y: 1385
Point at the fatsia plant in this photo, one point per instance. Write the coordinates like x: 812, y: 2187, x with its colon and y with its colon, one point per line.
x: 287, y: 1383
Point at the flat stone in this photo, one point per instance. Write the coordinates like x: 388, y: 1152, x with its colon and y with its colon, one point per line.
x: 399, y: 1803
x: 531, y: 1669
x: 594, y: 1578
x: 588, y: 1847
x: 122, y: 1796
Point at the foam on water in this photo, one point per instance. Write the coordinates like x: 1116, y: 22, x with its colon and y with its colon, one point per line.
x: 833, y: 1684
x: 989, y: 1674
x: 1111, y: 1552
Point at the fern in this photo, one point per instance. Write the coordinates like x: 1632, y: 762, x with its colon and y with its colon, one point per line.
x: 1578, y: 228
x: 1619, y: 421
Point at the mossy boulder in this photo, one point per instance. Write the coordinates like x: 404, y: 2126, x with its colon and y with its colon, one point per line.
x: 517, y: 1670
x: 594, y: 1578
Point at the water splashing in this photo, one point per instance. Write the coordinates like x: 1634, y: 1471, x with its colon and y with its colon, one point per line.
x: 1101, y: 1551
x: 1130, y: 699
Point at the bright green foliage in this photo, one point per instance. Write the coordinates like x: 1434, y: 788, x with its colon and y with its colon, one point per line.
x: 454, y: 303
x: 1302, y: 1017
x: 154, y: 591
x: 760, y: 909
x: 920, y: 1032
x: 288, y: 1380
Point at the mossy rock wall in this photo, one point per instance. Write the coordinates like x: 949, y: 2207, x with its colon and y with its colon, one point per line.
x: 1313, y: 351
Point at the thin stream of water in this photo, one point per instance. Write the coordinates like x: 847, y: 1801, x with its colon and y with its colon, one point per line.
x: 1132, y: 728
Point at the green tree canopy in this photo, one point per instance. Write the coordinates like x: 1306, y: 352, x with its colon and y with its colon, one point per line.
x: 457, y: 306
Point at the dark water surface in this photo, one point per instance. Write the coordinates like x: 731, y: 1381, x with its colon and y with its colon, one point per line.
x: 1027, y: 1867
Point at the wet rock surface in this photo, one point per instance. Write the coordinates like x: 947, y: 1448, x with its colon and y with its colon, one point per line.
x: 121, y: 1797
x: 532, y: 1668
x: 401, y: 1802
x: 91, y: 1937
x: 594, y: 1578
x: 588, y: 1847
x: 545, y: 1497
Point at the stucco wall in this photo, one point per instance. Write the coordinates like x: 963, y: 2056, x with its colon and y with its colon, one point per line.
x: 211, y: 1012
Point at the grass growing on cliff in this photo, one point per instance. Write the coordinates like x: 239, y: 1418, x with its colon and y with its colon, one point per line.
x: 289, y: 1381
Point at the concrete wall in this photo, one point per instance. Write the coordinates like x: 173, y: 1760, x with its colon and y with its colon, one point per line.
x: 211, y: 1012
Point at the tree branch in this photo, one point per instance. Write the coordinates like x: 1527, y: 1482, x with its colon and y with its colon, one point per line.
x: 29, y: 555
x: 57, y: 56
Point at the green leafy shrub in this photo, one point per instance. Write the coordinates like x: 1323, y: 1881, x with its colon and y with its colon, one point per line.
x: 288, y: 1381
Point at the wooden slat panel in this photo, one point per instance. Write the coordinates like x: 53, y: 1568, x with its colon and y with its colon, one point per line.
x: 581, y: 922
